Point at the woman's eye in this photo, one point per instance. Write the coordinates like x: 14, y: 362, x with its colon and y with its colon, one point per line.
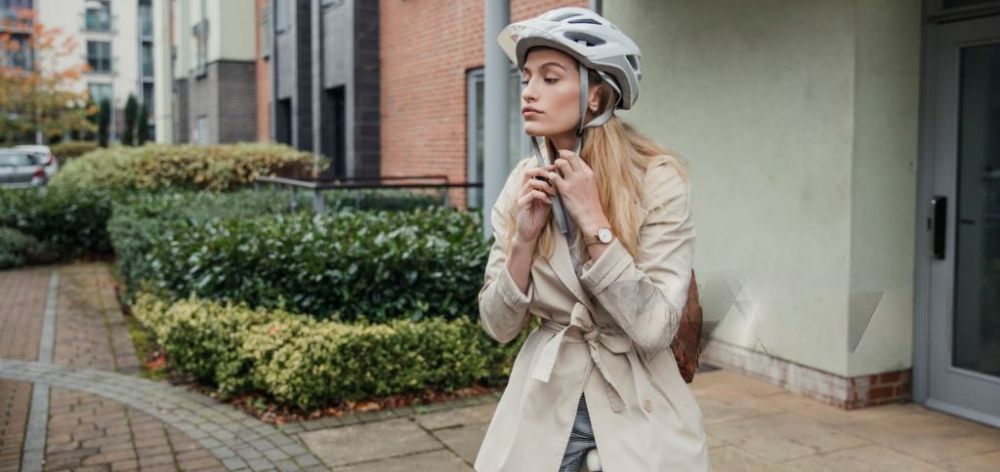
x: 551, y: 81
x: 524, y: 82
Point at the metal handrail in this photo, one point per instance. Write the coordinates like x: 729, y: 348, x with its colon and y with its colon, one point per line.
x: 360, y: 183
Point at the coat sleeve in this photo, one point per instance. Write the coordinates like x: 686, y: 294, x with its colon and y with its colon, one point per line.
x: 645, y: 294
x: 503, y: 308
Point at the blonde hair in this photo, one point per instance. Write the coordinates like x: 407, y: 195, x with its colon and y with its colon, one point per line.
x: 619, y: 156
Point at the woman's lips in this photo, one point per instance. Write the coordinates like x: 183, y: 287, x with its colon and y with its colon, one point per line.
x: 530, y: 113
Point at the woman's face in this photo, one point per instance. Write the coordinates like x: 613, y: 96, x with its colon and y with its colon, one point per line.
x: 550, y: 102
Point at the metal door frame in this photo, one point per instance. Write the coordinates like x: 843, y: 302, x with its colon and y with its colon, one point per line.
x: 935, y: 22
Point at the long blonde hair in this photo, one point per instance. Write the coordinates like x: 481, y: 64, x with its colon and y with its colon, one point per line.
x: 619, y: 156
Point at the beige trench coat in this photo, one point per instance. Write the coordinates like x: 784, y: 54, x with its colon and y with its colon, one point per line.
x: 605, y: 333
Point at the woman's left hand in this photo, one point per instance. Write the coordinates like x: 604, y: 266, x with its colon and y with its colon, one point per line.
x: 577, y: 188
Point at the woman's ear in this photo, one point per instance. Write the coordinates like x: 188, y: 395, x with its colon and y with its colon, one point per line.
x: 594, y: 98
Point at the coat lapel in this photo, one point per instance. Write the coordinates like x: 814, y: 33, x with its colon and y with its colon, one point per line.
x: 562, y: 265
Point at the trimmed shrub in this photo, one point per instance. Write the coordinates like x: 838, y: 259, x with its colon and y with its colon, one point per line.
x: 139, y: 220
x: 15, y: 248
x: 70, y: 149
x: 158, y: 166
x: 67, y: 223
x: 307, y: 363
x: 344, y: 266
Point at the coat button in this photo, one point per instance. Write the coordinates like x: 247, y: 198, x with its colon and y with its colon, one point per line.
x: 648, y: 405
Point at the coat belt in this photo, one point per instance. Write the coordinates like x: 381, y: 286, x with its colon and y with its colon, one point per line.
x: 598, y: 341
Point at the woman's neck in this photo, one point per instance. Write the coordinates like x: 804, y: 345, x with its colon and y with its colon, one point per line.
x: 565, y: 140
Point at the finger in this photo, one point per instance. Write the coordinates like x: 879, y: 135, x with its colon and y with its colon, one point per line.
x: 571, y: 157
x: 539, y: 196
x: 543, y: 186
x: 565, y: 167
x: 557, y: 180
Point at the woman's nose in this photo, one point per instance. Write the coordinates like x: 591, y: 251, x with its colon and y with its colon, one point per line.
x: 528, y: 94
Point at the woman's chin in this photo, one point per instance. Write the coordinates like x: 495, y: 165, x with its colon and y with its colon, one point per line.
x: 534, y: 131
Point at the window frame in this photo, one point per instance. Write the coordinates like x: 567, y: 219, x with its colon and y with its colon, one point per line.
x: 95, y: 57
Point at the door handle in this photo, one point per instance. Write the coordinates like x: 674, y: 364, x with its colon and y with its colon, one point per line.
x: 938, y: 225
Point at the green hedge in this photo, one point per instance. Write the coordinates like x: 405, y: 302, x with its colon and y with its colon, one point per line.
x: 158, y: 166
x: 299, y: 361
x: 15, y: 248
x: 66, y: 222
x: 344, y: 266
x: 139, y: 220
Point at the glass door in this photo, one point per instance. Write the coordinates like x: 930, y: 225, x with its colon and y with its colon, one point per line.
x: 963, y: 254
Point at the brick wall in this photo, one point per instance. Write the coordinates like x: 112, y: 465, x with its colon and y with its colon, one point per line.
x: 427, y: 46
x: 848, y: 393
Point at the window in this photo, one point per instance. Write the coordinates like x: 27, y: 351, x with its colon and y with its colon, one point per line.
x: 9, y: 8
x: 147, y: 97
x: 283, y: 10
x: 145, y: 18
x: 97, y: 16
x: 201, y: 45
x: 99, y: 92
x: 519, y: 143
x: 99, y: 56
x: 21, y: 58
x: 147, y: 60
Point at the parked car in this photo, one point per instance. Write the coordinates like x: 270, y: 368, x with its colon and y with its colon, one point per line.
x: 51, y: 164
x: 22, y: 168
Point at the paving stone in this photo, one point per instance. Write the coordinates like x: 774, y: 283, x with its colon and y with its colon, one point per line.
x: 359, y: 443
x: 463, y: 440
x: 438, y: 461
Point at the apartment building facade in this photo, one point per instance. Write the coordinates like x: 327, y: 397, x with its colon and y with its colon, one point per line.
x: 212, y: 64
x: 112, y: 36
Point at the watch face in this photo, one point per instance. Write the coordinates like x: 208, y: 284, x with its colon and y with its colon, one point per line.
x: 604, y: 234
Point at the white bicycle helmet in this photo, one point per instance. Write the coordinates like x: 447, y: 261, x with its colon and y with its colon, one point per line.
x: 593, y: 41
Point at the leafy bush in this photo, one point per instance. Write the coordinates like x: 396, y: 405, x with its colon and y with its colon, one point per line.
x: 139, y: 220
x: 70, y: 149
x: 15, y: 248
x: 344, y: 266
x: 67, y: 223
x: 158, y: 166
x: 299, y: 361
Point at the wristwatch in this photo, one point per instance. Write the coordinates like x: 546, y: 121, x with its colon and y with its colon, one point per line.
x: 603, y: 236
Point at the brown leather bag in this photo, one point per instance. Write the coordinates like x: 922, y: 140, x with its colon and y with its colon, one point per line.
x: 687, y: 343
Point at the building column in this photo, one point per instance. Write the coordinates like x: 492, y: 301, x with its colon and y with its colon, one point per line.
x: 496, y: 128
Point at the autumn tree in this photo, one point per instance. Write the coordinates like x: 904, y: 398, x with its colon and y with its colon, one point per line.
x: 39, y: 67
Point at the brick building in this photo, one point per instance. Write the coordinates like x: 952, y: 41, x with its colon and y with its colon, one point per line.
x: 385, y: 88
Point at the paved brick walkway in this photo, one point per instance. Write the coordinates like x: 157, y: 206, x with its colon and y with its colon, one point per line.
x: 79, y: 376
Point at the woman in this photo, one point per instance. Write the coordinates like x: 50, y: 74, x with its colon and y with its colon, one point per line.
x: 597, y: 243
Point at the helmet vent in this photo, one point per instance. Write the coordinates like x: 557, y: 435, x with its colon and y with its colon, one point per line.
x: 564, y: 16
x: 632, y: 62
x: 578, y: 36
x: 589, y: 21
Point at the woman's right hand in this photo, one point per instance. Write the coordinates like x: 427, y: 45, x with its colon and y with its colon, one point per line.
x: 534, y: 204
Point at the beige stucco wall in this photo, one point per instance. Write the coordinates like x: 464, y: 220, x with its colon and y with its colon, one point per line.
x: 237, y: 31
x: 798, y: 118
